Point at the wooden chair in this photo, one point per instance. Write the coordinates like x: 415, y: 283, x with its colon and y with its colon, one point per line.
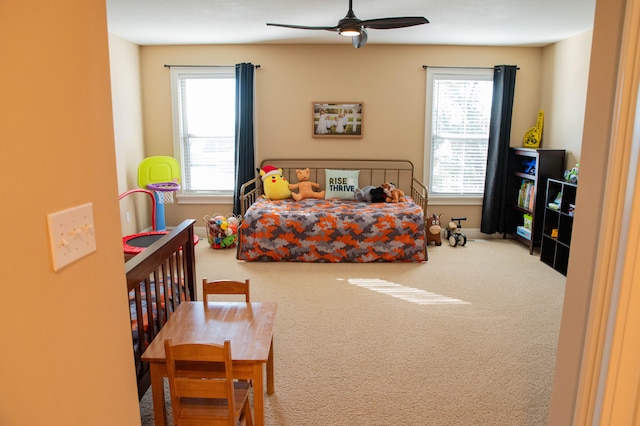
x: 225, y: 287
x: 202, y: 387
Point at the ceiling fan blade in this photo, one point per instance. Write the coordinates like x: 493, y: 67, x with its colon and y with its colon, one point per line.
x: 350, y: 24
x: 390, y: 23
x: 359, y: 40
x: 302, y: 27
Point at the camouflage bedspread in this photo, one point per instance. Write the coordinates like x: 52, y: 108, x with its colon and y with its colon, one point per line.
x: 314, y: 230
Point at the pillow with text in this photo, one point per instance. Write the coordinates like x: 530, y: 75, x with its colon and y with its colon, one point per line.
x: 341, y: 183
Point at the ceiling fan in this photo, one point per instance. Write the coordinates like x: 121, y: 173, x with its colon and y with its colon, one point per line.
x: 355, y: 28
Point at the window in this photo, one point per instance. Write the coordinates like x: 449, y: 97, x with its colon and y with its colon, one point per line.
x: 457, y: 133
x: 204, y: 130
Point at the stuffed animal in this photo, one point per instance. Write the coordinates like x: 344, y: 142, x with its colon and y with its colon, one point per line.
x: 305, y: 187
x: 434, y: 230
x: 364, y: 194
x: 275, y: 185
x: 222, y: 231
x: 393, y: 194
x: 529, y: 167
x: 378, y: 195
x: 572, y: 175
x: 370, y: 194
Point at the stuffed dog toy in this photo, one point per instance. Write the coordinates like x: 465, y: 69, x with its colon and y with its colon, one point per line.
x: 393, y: 194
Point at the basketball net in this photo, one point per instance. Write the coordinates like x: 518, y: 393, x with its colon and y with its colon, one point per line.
x: 165, y: 197
x: 164, y: 191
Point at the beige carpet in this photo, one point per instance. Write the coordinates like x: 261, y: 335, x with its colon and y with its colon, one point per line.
x: 467, y: 338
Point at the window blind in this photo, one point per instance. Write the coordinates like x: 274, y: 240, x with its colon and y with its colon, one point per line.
x: 206, y: 134
x: 459, y: 132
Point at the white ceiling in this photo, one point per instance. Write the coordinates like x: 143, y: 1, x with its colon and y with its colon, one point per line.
x: 452, y: 22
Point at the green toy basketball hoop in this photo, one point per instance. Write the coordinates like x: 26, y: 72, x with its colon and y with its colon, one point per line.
x: 160, y: 174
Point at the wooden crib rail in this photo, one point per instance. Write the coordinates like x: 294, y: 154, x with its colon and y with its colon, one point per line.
x: 158, y: 280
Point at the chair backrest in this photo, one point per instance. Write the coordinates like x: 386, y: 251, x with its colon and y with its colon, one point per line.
x: 200, y: 370
x: 225, y: 287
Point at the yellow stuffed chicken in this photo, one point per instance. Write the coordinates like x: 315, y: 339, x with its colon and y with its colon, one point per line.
x: 275, y: 185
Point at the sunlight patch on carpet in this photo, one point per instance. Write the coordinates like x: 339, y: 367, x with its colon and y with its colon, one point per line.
x: 413, y: 295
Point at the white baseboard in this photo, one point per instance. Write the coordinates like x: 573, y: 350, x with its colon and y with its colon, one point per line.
x: 200, y: 231
x: 475, y: 234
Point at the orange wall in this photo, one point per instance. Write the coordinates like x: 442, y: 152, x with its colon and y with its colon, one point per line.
x: 65, y: 341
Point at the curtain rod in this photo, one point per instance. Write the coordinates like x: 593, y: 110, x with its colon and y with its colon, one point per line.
x: 203, y: 66
x: 469, y: 68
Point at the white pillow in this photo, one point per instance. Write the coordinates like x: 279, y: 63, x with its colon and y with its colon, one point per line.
x: 341, y: 183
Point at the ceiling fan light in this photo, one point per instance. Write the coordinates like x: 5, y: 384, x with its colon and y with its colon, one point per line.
x: 350, y: 32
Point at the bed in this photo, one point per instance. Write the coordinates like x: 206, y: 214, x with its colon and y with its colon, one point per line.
x: 335, y: 229
x: 158, y: 280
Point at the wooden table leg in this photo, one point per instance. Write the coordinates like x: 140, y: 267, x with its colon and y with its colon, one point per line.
x: 157, y: 390
x: 270, y: 384
x: 258, y: 395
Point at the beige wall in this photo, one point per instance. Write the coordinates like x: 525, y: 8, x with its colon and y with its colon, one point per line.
x: 389, y: 80
x: 565, y: 75
x: 135, y: 210
x: 65, y: 356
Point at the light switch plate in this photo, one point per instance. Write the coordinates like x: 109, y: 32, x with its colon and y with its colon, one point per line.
x: 71, y: 234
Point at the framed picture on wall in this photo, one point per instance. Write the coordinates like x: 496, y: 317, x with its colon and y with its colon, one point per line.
x: 337, y: 119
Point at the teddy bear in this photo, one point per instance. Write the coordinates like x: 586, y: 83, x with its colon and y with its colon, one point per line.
x: 304, y: 186
x: 393, y: 194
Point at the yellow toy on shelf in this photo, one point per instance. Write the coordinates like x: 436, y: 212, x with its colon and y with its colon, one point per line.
x: 533, y: 136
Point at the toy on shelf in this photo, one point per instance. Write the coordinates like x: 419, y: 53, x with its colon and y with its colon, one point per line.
x: 529, y: 167
x: 572, y: 175
x: 454, y: 235
x: 555, y: 204
x: 533, y: 136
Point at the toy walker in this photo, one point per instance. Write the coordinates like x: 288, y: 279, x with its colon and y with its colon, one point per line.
x: 454, y: 235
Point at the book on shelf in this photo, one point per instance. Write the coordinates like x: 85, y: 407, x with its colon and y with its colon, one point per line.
x: 526, y: 194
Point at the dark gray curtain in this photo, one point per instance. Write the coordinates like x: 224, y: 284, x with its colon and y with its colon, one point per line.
x: 244, y: 161
x: 495, y: 185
